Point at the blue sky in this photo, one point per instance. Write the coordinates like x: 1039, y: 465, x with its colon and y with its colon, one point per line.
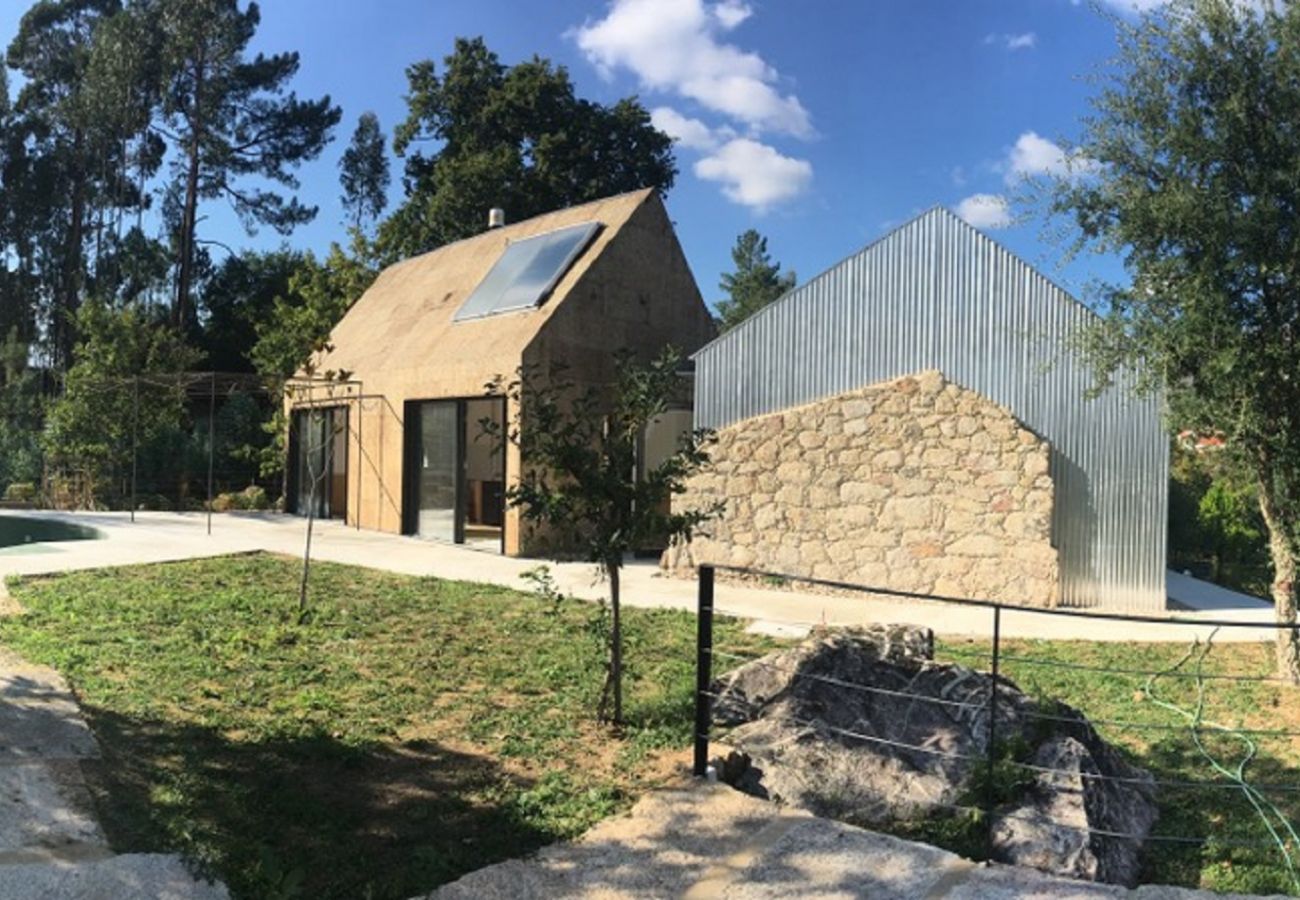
x: 820, y: 124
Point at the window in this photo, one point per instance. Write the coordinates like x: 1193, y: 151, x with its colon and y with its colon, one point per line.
x: 526, y: 272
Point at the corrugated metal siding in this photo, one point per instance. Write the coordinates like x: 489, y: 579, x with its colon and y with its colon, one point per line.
x: 937, y: 294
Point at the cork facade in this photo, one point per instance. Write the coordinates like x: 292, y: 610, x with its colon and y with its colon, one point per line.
x: 413, y: 367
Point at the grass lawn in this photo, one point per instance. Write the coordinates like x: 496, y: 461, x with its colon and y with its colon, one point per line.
x: 413, y: 730
x: 416, y: 729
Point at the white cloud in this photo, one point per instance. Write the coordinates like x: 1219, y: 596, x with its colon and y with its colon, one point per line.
x: 1034, y: 155
x: 1026, y: 41
x: 684, y: 130
x: 754, y: 174
x: 674, y: 46
x: 731, y: 13
x: 985, y: 211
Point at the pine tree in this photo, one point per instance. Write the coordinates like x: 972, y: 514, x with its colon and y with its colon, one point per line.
x: 364, y: 173
x: 228, y: 118
x: 756, y: 282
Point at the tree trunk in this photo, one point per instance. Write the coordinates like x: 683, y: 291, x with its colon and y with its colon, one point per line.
x: 1282, y: 549
x: 615, y: 642
x: 73, y: 263
x: 189, y: 221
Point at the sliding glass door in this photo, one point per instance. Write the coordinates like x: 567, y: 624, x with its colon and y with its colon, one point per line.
x: 439, y: 462
x: 455, y: 471
x: 319, y: 451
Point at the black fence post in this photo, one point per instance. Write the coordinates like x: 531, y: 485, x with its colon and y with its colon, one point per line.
x: 212, y: 440
x: 990, y: 789
x: 135, y: 441
x: 703, y: 671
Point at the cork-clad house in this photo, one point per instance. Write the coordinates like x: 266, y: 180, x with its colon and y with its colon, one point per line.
x: 918, y: 418
x: 409, y: 452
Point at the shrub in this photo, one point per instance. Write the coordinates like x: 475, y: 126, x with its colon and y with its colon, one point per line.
x: 20, y: 492
x: 250, y: 498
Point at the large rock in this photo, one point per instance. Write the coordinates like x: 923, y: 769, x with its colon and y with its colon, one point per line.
x: 862, y: 725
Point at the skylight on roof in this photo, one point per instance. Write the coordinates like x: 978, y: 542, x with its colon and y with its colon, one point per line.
x: 526, y: 272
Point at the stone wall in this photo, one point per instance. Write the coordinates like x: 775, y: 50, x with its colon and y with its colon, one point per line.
x: 916, y: 484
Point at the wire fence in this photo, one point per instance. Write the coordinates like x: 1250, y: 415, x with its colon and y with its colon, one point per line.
x: 183, y: 442
x: 1217, y: 735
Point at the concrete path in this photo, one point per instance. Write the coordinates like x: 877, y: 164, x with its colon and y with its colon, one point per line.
x: 51, y: 846
x: 709, y: 842
x: 157, y: 537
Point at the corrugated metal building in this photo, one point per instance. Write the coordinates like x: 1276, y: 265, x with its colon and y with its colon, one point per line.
x: 938, y: 294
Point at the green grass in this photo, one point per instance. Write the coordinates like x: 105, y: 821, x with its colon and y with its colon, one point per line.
x: 412, y: 730
x: 416, y: 729
x: 1218, y: 816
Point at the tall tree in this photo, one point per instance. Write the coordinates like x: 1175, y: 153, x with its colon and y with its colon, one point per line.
x: 1188, y: 168
x: 364, y: 172
x: 517, y: 137
x: 228, y: 117
x: 58, y: 127
x: 755, y: 283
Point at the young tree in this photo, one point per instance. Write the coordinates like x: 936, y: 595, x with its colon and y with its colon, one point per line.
x: 756, y: 282
x: 516, y: 137
x: 364, y: 174
x: 580, y: 473
x: 228, y: 118
x: 1187, y: 168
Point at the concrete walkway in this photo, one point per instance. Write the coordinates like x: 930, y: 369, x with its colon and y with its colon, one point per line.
x: 50, y: 843
x: 157, y: 537
x: 709, y: 842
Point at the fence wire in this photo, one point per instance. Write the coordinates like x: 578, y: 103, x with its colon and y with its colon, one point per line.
x: 1196, y: 729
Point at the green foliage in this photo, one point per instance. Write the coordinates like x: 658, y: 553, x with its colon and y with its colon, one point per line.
x: 516, y: 137
x: 1187, y: 169
x: 20, y: 492
x: 240, y: 136
x: 298, y: 328
x: 364, y: 173
x: 318, y: 294
x: 237, y: 298
x: 249, y: 499
x: 89, y: 429
x: 756, y: 282
x: 1215, y: 527
x: 580, y: 479
x: 20, y: 414
x: 579, y: 450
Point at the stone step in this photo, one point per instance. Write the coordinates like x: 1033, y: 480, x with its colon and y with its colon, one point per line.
x: 134, y: 876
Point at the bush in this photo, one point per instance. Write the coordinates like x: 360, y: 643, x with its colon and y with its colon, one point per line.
x: 20, y: 492
x: 250, y: 498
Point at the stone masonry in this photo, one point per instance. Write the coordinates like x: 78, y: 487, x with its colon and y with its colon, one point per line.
x: 916, y: 484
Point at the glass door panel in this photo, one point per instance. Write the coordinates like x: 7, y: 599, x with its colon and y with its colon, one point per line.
x: 438, y: 468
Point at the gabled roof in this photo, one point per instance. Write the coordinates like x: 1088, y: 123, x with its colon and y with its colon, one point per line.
x: 405, y: 320
x: 938, y: 219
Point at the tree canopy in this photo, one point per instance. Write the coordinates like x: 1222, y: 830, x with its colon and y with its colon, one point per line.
x: 517, y: 137
x: 756, y: 282
x: 1189, y: 168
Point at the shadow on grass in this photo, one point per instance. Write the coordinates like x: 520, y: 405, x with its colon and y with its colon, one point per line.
x: 309, y: 817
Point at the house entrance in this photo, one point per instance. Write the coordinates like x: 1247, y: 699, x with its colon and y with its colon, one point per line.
x: 318, y: 476
x: 455, y: 485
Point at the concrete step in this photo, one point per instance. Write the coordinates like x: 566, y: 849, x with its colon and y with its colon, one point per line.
x: 132, y: 876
